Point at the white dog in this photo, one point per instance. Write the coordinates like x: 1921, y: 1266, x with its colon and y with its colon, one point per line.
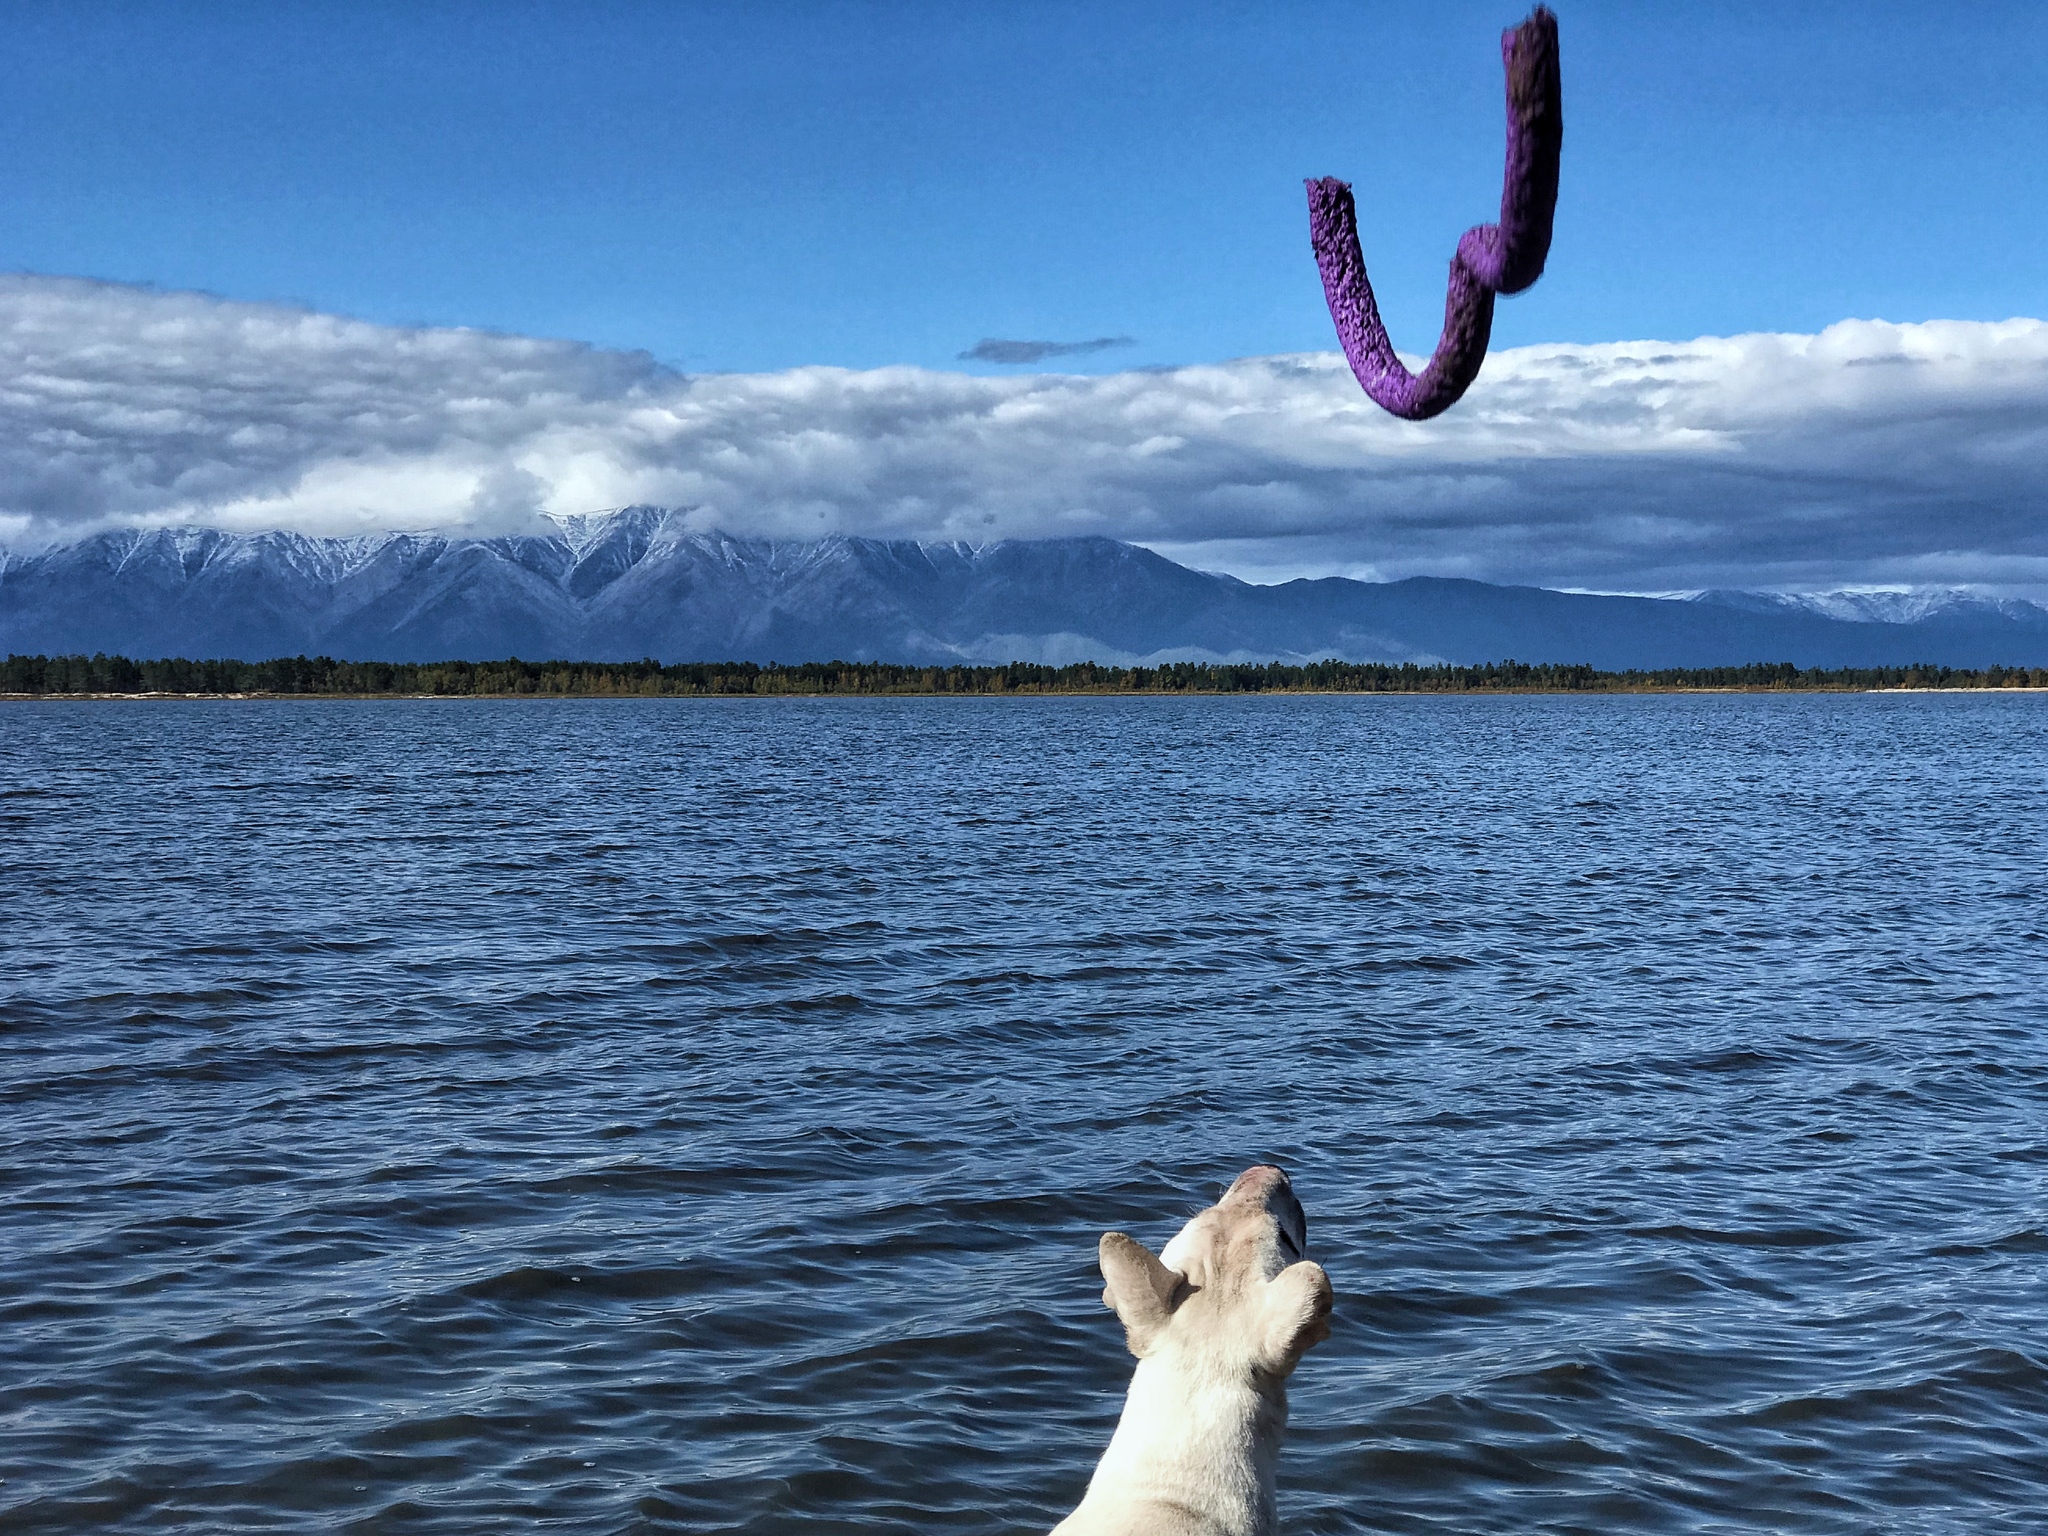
x: 1218, y: 1322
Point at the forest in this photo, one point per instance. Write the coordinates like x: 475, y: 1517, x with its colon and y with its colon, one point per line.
x: 323, y: 676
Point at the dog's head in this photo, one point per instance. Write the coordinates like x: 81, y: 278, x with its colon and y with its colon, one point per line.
x: 1234, y: 1291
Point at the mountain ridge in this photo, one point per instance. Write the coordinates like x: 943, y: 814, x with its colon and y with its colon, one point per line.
x: 640, y: 581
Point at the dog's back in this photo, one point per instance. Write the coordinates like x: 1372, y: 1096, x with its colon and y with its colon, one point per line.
x: 1218, y: 1322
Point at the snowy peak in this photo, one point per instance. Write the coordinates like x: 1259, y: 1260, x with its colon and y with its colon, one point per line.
x: 1883, y: 605
x: 583, y: 531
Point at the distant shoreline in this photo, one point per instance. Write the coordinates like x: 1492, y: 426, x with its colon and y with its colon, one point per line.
x: 298, y: 677
x: 1064, y: 693
x: 1068, y: 693
x: 1103, y: 693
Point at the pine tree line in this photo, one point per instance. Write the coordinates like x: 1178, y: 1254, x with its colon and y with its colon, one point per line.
x: 302, y: 676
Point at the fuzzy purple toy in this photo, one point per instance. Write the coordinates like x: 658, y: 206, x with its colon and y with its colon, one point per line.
x: 1492, y: 258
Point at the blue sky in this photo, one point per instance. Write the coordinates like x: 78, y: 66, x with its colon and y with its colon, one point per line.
x: 764, y: 185
x: 343, y: 267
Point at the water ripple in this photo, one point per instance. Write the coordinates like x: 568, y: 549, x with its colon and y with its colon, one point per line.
x: 698, y: 1115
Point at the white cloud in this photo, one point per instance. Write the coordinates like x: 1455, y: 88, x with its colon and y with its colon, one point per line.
x: 1870, y: 453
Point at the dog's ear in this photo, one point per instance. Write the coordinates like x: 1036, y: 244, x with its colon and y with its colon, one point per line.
x: 1138, y: 1289
x: 1297, y: 1314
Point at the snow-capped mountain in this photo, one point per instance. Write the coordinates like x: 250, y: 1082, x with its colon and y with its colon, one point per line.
x: 641, y: 582
x: 1881, y: 605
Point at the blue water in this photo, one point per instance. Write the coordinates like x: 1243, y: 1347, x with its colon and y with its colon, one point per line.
x: 616, y: 1116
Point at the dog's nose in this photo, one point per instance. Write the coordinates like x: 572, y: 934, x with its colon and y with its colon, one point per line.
x: 1259, y: 1182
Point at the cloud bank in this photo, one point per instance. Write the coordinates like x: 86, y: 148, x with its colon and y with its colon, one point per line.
x: 1871, y: 453
x: 992, y: 349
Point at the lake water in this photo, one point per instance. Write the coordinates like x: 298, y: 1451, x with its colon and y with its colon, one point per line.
x: 617, y: 1116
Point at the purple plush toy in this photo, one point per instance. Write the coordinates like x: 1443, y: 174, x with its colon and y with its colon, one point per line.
x: 1492, y: 258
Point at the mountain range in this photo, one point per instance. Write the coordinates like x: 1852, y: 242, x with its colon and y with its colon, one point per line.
x: 642, y: 582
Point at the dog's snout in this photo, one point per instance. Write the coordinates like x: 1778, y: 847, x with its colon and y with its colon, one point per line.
x: 1267, y: 1188
x: 1260, y: 1182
